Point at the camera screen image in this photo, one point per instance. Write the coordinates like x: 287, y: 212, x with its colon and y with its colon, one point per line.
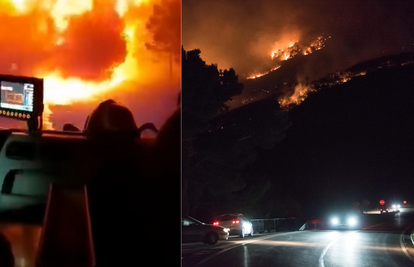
x: 17, y: 96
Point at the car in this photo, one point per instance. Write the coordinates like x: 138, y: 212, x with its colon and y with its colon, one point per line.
x: 384, y: 210
x: 396, y: 208
x: 194, y: 230
x: 344, y: 220
x: 237, y: 223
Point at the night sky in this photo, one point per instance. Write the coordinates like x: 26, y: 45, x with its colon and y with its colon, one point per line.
x: 349, y: 142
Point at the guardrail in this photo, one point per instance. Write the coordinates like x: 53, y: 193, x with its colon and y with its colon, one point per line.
x: 276, y: 224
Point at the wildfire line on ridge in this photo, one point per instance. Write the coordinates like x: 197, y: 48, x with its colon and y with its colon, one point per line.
x: 292, y: 50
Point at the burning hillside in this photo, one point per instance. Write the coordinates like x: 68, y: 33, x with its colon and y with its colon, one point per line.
x: 88, y: 49
x: 292, y: 50
x: 293, y: 93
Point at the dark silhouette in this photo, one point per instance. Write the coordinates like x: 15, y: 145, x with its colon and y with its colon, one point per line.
x: 147, y: 126
x: 168, y: 143
x: 109, y: 117
x: 68, y: 127
x: 124, y: 192
x: 206, y: 91
x: 218, y: 144
x: 100, y: 107
x: 168, y: 158
x: 113, y: 190
x: 6, y: 253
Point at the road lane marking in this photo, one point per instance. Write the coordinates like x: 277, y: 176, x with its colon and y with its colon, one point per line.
x: 376, y: 225
x: 242, y: 243
x: 402, y: 244
x: 321, y: 263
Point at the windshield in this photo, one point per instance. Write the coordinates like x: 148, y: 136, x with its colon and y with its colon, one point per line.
x: 197, y: 221
x: 227, y: 217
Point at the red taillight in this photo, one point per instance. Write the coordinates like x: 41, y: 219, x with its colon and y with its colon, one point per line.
x: 215, y: 223
x: 236, y: 222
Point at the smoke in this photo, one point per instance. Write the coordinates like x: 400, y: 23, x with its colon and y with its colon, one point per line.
x: 89, y: 47
x: 242, y: 35
x: 90, y: 50
x: 94, y: 45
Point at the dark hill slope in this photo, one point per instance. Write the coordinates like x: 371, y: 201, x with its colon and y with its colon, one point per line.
x: 349, y: 142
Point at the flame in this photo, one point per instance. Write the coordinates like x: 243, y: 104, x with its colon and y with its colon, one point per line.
x: 254, y: 76
x: 284, y: 50
x: 82, y: 48
x: 301, y: 91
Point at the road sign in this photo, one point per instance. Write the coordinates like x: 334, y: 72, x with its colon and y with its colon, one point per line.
x: 382, y: 202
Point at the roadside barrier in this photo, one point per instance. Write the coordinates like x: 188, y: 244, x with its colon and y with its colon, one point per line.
x: 66, y: 238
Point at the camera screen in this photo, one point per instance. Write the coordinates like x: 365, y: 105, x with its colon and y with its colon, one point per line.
x: 17, y: 96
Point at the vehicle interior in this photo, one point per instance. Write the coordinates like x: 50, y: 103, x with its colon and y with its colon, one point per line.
x: 45, y: 177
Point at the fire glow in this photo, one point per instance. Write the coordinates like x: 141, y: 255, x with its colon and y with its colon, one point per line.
x: 301, y: 91
x: 292, y: 50
x: 82, y: 49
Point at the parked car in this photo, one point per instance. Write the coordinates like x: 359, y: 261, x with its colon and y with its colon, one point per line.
x: 194, y: 230
x: 237, y: 223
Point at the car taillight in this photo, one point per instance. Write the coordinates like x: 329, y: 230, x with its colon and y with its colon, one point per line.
x: 236, y: 222
x: 215, y: 223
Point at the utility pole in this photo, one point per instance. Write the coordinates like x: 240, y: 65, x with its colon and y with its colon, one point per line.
x: 171, y: 65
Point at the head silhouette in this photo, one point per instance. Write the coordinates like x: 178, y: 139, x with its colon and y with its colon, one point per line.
x: 6, y: 254
x: 110, y: 118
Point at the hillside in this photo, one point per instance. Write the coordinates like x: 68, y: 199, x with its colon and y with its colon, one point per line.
x: 350, y: 141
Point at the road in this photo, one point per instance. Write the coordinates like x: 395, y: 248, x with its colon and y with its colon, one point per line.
x: 382, y: 240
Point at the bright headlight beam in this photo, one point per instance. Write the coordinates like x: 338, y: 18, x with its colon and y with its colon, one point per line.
x: 335, y: 221
x: 352, y: 221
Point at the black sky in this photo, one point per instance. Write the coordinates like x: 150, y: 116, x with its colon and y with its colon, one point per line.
x: 240, y: 34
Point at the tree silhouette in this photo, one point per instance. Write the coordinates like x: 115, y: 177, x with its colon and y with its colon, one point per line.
x: 165, y: 25
x: 205, y: 91
x: 218, y: 145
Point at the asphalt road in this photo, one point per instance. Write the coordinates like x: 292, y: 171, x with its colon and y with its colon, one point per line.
x: 382, y: 240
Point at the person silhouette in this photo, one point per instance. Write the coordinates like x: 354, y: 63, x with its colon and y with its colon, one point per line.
x: 6, y: 253
x: 112, y: 135
x: 168, y: 156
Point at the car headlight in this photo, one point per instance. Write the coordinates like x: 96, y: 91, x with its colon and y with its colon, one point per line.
x: 226, y: 230
x: 352, y: 221
x: 335, y: 221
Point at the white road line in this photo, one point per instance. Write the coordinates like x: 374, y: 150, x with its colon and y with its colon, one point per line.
x: 242, y: 244
x: 403, y: 247
x: 376, y: 225
x: 321, y: 263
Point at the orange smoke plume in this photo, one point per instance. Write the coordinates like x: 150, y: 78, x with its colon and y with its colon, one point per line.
x: 85, y: 49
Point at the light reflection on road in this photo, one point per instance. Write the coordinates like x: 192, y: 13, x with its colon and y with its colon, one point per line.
x: 246, y: 256
x: 24, y: 240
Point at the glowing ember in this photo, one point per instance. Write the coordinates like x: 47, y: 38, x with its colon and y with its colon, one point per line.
x: 262, y: 74
x: 301, y: 91
x: 82, y: 48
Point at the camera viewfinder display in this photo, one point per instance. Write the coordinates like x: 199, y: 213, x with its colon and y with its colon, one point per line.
x: 21, y: 97
x: 17, y: 96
